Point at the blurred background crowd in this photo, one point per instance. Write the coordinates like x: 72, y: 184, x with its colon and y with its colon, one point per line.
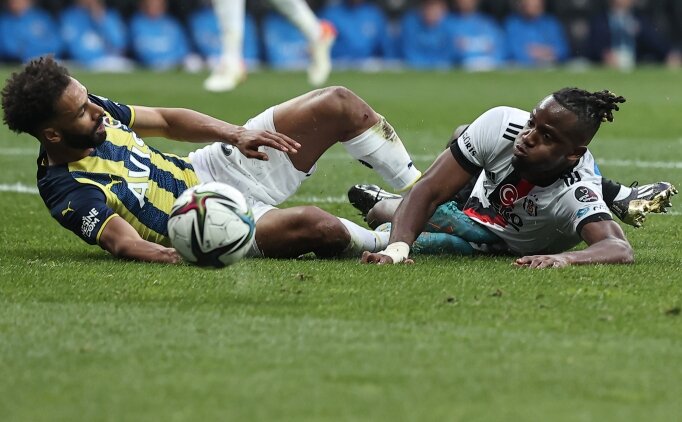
x: 118, y: 35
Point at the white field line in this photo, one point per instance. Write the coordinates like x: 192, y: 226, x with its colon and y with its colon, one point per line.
x: 641, y: 164
x: 18, y: 188
x: 32, y: 152
x: 341, y: 199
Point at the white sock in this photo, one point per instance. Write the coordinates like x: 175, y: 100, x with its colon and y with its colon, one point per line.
x: 300, y: 14
x: 362, y: 239
x: 623, y: 193
x: 381, y: 149
x: 231, y: 15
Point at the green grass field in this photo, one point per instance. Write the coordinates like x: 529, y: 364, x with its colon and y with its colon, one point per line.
x: 87, y: 337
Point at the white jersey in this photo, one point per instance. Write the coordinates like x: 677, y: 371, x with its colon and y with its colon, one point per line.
x: 529, y: 219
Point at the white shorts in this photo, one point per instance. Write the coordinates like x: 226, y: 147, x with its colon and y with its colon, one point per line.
x: 265, y: 184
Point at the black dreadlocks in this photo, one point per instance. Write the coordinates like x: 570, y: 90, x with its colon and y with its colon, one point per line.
x: 592, y: 108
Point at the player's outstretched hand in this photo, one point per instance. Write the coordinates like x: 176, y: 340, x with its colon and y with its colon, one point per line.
x: 248, y: 142
x: 542, y: 261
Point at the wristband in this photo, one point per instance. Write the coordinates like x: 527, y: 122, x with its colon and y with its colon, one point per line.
x: 398, y: 251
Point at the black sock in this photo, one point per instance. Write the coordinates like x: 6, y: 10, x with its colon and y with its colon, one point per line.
x: 610, y: 190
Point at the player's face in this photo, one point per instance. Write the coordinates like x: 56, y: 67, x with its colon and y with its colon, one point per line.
x: 80, y: 122
x: 545, y: 147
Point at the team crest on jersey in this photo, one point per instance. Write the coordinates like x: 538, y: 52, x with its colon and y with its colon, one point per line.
x: 530, y: 205
x: 111, y: 122
x: 585, y: 194
x: 508, y: 195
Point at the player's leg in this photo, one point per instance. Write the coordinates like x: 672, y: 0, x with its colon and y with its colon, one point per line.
x: 321, y: 118
x: 291, y: 232
x: 320, y: 35
x: 230, y: 71
x: 382, y: 212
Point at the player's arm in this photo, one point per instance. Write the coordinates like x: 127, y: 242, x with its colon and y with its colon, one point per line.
x: 122, y: 241
x: 440, y: 182
x: 192, y: 126
x: 83, y: 210
x: 606, y: 245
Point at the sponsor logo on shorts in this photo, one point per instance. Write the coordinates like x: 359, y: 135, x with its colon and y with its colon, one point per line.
x: 585, y: 194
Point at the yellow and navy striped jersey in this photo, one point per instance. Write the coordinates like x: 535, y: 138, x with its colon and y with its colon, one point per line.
x: 123, y: 176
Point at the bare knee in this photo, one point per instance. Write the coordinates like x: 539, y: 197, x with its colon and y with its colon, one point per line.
x: 322, y: 225
x: 349, y: 109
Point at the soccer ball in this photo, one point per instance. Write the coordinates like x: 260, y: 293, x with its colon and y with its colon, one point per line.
x: 211, y: 224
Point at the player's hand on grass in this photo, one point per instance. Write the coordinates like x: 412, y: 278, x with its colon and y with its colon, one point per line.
x: 394, y: 253
x: 375, y: 258
x: 542, y: 261
x: 380, y: 259
x: 248, y: 142
x: 172, y: 256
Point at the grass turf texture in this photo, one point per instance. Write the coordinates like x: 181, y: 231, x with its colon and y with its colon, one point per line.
x: 86, y: 337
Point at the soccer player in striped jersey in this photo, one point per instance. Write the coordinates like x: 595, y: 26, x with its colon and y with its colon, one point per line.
x: 539, y: 192
x: 100, y: 179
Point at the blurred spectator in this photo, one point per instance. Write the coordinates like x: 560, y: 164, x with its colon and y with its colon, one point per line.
x: 478, y: 41
x: 285, y: 45
x: 361, y: 31
x: 425, y: 36
x: 26, y: 31
x: 205, y: 32
x: 534, y: 37
x: 158, y: 40
x: 95, y: 36
x: 620, y: 37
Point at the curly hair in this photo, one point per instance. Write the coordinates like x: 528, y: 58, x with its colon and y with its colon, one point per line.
x: 592, y: 108
x: 29, y: 96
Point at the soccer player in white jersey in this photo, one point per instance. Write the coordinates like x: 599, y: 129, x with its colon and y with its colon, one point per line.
x: 104, y: 183
x: 539, y: 193
x: 230, y: 72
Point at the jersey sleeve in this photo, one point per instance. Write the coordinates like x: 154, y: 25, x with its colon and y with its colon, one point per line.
x: 476, y: 145
x: 582, y: 204
x: 84, y: 211
x: 121, y: 112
